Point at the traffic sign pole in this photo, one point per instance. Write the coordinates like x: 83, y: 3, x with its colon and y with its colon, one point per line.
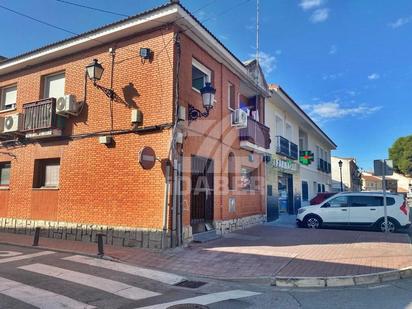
x: 385, y: 206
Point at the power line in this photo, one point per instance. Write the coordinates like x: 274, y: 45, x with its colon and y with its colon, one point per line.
x: 93, y: 8
x: 37, y: 20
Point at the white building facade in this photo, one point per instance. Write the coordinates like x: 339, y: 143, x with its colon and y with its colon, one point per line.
x: 298, y: 166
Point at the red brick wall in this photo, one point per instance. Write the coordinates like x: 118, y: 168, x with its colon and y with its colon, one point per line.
x: 214, y: 138
x: 98, y: 184
x: 104, y: 185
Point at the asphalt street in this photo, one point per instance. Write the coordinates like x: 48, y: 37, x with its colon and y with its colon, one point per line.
x: 31, y: 278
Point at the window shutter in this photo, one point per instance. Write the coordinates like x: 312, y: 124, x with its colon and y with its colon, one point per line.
x: 9, y: 97
x: 52, y: 175
x: 54, y: 86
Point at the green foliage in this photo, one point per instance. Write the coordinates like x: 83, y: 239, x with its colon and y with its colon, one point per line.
x: 401, y: 154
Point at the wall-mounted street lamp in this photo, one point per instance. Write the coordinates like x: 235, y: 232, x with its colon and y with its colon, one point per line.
x: 340, y: 169
x: 208, y: 101
x: 94, y: 72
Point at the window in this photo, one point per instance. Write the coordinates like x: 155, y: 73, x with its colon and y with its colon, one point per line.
x: 54, y: 86
x: 366, y: 201
x: 340, y: 201
x: 231, y: 96
x: 319, y: 187
x: 46, y: 173
x: 200, y: 75
x: 8, y: 97
x: 279, y: 126
x: 305, y: 191
x: 248, y: 178
x: 303, y: 140
x: 231, y: 171
x: 289, y: 132
x: 5, y: 174
x: 323, y: 188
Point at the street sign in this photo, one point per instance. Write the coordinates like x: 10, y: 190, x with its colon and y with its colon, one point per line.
x: 147, y: 158
x: 378, y: 167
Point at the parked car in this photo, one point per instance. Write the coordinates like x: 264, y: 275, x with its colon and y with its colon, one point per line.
x: 320, y: 197
x: 358, y: 209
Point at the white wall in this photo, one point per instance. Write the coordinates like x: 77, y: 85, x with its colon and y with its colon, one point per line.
x: 310, y: 173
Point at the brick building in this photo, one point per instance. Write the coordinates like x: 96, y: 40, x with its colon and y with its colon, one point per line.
x: 135, y: 155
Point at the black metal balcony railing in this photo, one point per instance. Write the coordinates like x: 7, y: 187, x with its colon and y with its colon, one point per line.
x: 282, y: 146
x: 324, y: 166
x: 286, y: 148
x: 40, y: 115
x: 294, y: 153
x: 255, y: 133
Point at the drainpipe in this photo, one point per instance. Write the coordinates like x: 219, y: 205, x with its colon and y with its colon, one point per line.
x: 166, y: 202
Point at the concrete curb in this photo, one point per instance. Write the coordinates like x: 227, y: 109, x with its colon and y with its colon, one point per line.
x: 341, y: 281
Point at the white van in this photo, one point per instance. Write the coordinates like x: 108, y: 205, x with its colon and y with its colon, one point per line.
x: 359, y: 209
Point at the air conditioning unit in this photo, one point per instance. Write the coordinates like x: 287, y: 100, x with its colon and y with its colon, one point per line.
x: 239, y: 118
x: 13, y: 123
x: 67, y: 105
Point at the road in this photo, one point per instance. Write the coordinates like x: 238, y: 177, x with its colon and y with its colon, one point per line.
x: 32, y: 278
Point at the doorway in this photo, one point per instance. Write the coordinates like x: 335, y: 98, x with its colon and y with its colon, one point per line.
x: 285, y: 189
x: 201, y: 194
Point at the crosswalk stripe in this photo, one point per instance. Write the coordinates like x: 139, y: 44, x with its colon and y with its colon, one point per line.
x: 129, y: 269
x: 25, y: 256
x: 206, y: 299
x: 107, y: 285
x: 38, y: 297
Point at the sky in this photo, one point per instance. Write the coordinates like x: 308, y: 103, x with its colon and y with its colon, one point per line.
x: 346, y: 62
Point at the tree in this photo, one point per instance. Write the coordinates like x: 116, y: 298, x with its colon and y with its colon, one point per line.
x: 401, y: 154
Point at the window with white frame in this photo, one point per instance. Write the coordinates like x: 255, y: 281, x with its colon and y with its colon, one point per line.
x: 231, y: 96
x: 54, y: 85
x: 279, y: 126
x: 200, y: 75
x: 289, y: 132
x: 8, y: 97
x: 5, y: 174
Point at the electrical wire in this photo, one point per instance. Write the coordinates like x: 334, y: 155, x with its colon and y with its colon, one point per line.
x: 37, y: 20
x: 93, y: 8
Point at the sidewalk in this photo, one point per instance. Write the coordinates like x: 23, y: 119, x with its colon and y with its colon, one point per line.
x: 263, y: 251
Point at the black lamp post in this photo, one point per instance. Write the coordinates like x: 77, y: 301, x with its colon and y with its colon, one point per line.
x: 340, y: 169
x: 208, y: 100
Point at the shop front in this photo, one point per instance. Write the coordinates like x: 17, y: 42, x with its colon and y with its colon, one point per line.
x: 282, y: 186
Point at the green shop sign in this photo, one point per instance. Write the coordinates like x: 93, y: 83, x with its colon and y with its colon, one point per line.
x: 306, y: 157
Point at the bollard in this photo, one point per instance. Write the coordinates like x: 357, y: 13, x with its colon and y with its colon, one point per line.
x: 36, y: 236
x: 100, y: 251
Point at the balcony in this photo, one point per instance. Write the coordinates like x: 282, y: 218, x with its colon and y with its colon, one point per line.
x: 324, y: 166
x: 255, y: 137
x: 40, y: 119
x: 286, y: 148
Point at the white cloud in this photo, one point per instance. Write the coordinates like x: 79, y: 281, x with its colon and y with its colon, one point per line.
x: 402, y: 21
x: 334, y: 110
x: 374, y: 76
x: 333, y: 49
x: 267, y: 62
x: 332, y: 76
x: 319, y: 15
x: 310, y: 4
